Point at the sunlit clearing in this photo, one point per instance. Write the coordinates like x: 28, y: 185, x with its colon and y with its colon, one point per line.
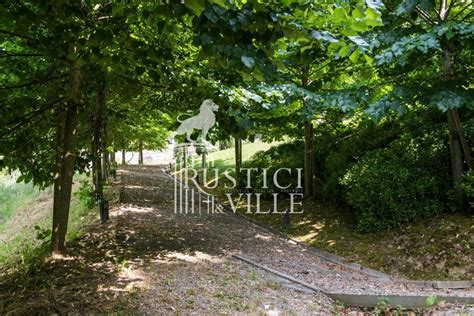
x: 136, y: 209
x: 267, y: 237
x: 196, y: 257
x: 318, y: 226
x: 307, y: 237
x: 304, y: 223
x: 60, y: 257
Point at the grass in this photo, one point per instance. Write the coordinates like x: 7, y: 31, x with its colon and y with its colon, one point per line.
x: 436, y: 248
x: 27, y: 214
x: 13, y: 196
x: 223, y: 159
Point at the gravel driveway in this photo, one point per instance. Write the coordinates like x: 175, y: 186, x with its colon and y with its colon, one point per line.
x: 192, y: 268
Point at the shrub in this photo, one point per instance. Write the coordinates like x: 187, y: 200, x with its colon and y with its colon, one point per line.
x: 467, y: 186
x: 85, y: 193
x: 288, y: 155
x: 404, y: 182
x: 340, y: 152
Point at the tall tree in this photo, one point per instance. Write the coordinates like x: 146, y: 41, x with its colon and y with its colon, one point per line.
x: 425, y: 55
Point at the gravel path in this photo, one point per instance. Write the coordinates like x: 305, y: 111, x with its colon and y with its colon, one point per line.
x: 185, y: 260
x: 199, y: 247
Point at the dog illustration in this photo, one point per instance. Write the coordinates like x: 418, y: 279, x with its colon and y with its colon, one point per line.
x: 203, y: 121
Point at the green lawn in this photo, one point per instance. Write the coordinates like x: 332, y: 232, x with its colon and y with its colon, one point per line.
x: 223, y: 159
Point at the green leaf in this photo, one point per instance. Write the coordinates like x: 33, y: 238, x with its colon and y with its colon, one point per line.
x: 354, y: 57
x: 340, y: 14
x: 344, y: 51
x: 430, y: 300
x: 197, y: 6
x: 357, y: 13
x: 220, y: 3
x: 372, y: 14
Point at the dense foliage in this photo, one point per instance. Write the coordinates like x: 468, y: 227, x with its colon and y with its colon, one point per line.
x: 80, y: 80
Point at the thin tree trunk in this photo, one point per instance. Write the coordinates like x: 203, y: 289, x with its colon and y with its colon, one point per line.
x: 61, y: 115
x: 123, y: 153
x: 65, y: 165
x: 308, y: 144
x: 456, y: 153
x: 308, y: 161
x: 104, y: 142
x: 105, y: 164
x: 456, y: 136
x: 112, y: 153
x: 465, y: 146
x: 140, y: 153
x: 312, y: 158
x: 238, y: 159
x: 98, y: 138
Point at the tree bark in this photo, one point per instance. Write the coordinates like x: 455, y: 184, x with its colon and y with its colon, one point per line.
x: 238, y: 159
x: 97, y: 139
x: 140, y: 152
x: 457, y: 141
x: 308, y: 159
x: 123, y: 153
x: 309, y: 175
x: 67, y: 138
x: 456, y: 153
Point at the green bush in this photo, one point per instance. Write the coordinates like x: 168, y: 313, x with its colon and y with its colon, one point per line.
x: 399, y: 184
x: 467, y: 186
x: 287, y: 155
x: 337, y: 153
x: 85, y: 193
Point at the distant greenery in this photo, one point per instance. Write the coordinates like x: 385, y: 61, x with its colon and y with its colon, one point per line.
x: 224, y: 159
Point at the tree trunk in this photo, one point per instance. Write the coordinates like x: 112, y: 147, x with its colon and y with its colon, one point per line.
x: 456, y: 153
x: 309, y: 188
x: 457, y: 142
x: 97, y: 139
x: 238, y: 159
x: 308, y: 159
x: 123, y: 153
x: 67, y: 139
x: 105, y: 164
x: 140, y: 153
x: 312, y: 157
x: 104, y: 142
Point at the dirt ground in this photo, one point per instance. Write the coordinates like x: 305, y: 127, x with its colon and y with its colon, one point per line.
x: 150, y: 260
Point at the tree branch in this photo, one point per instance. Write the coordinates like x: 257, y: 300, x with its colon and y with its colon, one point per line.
x: 18, y: 35
x: 4, y: 54
x: 32, y: 83
x: 462, y: 10
x: 425, y: 16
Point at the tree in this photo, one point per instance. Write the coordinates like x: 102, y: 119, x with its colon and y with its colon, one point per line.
x: 424, y: 54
